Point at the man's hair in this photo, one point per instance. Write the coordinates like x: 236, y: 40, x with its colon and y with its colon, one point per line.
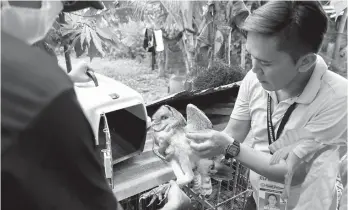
x: 273, y: 196
x: 299, y: 25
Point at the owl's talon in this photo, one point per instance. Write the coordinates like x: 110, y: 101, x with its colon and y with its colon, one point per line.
x: 156, y: 193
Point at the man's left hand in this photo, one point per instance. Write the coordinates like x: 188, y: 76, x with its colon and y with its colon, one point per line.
x: 209, y: 143
x: 177, y: 199
x: 79, y: 73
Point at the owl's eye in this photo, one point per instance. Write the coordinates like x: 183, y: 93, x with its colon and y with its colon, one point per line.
x: 212, y: 166
x: 164, y: 117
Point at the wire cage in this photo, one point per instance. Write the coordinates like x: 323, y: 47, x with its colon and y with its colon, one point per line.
x: 135, y: 203
x: 227, y: 194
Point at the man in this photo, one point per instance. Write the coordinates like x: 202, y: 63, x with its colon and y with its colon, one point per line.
x: 48, y: 158
x: 272, y: 203
x: 283, y: 38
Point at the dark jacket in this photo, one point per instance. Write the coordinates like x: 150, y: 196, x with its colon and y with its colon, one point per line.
x: 48, y: 156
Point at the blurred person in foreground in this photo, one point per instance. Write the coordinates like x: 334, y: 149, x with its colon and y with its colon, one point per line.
x: 48, y: 156
x: 289, y: 87
x: 342, y: 203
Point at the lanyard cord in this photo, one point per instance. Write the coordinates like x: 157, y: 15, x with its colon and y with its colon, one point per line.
x: 270, y: 128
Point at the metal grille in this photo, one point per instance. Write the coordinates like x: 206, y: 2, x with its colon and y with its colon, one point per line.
x: 134, y: 203
x: 227, y: 195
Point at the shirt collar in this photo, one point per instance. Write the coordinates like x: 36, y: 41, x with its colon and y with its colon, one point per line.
x: 313, y: 86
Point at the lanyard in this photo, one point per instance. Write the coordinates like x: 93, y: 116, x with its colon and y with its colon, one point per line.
x: 285, y: 119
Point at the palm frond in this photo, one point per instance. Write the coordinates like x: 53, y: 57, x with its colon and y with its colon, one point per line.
x: 141, y: 8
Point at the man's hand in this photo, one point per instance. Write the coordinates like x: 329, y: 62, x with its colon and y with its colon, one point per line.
x: 177, y: 199
x: 209, y: 143
x: 79, y: 73
x: 281, y: 154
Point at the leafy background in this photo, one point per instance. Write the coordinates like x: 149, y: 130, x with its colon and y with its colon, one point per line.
x: 112, y: 41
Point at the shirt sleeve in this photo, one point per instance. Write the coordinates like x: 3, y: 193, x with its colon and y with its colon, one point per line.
x: 55, y: 164
x: 241, y: 109
x: 329, y: 126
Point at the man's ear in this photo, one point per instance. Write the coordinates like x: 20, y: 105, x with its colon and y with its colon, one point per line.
x: 306, y: 62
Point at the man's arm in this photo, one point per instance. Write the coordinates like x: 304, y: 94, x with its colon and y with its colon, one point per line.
x: 74, y: 142
x: 213, y: 143
x: 238, y: 129
x: 329, y: 126
x: 57, y: 163
x: 259, y: 162
x: 255, y: 160
x: 239, y: 124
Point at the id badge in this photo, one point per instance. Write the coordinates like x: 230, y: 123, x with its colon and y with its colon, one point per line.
x: 269, y: 195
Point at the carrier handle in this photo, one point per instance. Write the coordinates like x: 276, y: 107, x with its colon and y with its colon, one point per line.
x: 90, y: 74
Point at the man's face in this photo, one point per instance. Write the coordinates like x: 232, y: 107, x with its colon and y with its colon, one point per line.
x: 272, y: 200
x: 274, y: 69
x: 29, y: 21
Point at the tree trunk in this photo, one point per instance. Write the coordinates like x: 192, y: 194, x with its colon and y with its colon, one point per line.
x: 340, y: 31
x: 242, y: 54
x: 185, y: 54
x: 174, y: 58
x: 66, y: 47
x: 153, y: 59
x: 67, y: 58
x: 229, y: 47
x: 162, y: 66
x: 213, y: 44
x: 188, y: 45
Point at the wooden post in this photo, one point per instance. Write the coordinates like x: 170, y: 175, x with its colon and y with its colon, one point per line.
x: 66, y: 47
x: 340, y: 31
x: 213, y: 44
x: 162, y: 61
x: 229, y: 47
x: 330, y: 49
x: 212, y: 9
x: 185, y: 54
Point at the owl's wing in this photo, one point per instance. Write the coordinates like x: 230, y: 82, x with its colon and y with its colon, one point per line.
x: 196, y: 119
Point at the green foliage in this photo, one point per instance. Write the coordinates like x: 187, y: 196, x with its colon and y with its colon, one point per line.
x: 110, y: 33
x: 218, y: 74
x: 236, y: 50
x: 130, y: 40
x: 86, y: 33
x: 89, y: 31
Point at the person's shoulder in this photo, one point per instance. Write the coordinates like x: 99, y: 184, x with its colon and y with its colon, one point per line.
x: 31, y: 80
x: 250, y: 76
x: 336, y: 84
x: 31, y: 68
x: 251, y: 84
x: 250, y: 80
